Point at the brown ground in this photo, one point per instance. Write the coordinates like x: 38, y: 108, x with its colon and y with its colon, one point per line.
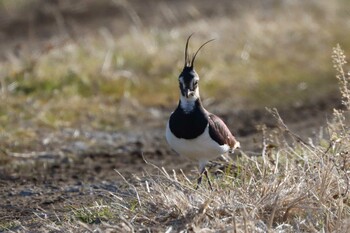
x: 75, y: 173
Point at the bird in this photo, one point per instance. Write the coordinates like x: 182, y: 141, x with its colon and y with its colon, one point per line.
x: 192, y: 131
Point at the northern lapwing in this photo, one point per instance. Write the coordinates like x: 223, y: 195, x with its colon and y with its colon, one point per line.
x: 192, y: 131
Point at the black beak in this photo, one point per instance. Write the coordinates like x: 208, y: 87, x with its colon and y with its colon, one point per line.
x: 189, y: 93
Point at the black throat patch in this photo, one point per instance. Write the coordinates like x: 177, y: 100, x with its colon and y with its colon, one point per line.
x: 188, y: 125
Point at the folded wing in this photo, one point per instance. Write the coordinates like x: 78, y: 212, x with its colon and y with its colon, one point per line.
x: 220, y: 133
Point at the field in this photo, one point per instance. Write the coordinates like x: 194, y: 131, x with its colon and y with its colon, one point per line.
x: 86, y: 88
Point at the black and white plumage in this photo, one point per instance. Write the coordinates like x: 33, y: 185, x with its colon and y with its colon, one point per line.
x: 192, y: 131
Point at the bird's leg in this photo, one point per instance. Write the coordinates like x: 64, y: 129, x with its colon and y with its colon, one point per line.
x: 206, y: 175
x: 199, y: 181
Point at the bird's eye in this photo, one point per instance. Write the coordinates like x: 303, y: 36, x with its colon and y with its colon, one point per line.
x: 195, y: 83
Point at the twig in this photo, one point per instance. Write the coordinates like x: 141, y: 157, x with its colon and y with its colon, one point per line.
x: 277, y: 116
x: 273, y: 212
x: 131, y: 185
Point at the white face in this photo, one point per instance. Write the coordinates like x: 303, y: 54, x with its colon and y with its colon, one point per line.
x: 189, y: 88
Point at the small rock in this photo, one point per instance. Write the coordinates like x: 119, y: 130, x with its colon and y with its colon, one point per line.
x: 26, y: 193
x: 73, y: 189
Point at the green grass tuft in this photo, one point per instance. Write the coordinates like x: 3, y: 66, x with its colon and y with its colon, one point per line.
x: 93, y: 214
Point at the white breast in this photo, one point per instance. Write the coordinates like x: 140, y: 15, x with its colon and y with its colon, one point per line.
x: 202, y: 148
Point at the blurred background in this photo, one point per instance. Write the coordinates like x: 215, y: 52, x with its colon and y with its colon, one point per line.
x: 68, y: 67
x: 87, y: 87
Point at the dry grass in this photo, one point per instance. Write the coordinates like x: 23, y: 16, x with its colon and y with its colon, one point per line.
x: 299, y: 188
x: 344, y: 84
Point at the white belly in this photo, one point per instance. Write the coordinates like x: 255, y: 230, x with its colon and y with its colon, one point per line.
x: 202, y: 148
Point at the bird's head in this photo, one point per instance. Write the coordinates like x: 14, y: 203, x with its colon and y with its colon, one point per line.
x: 188, y: 79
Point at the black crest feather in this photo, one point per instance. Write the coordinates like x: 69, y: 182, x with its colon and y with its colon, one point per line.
x: 189, y: 63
